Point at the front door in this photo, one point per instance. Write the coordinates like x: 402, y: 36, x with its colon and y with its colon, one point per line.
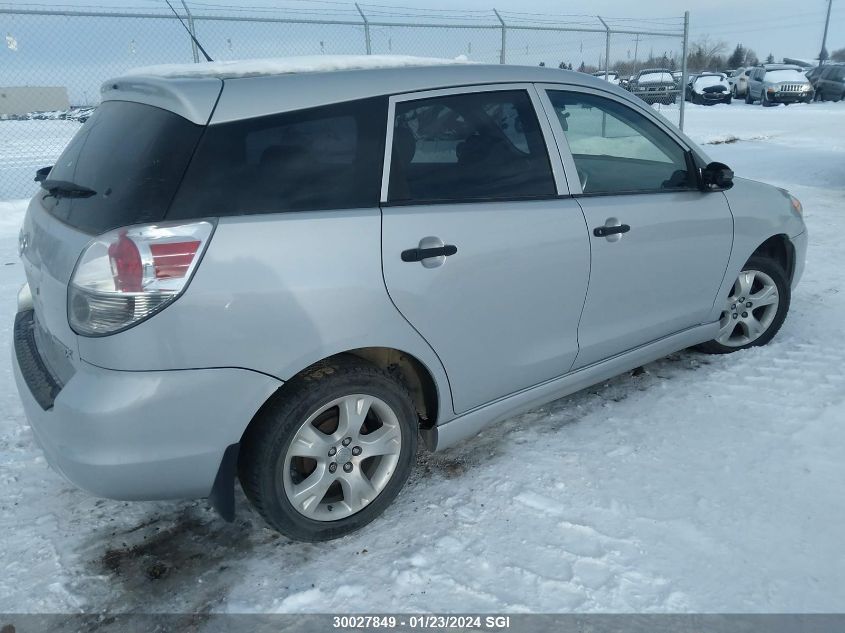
x: 480, y: 254
x: 660, y: 246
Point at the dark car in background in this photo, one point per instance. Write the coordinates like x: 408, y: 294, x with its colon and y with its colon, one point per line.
x: 708, y: 88
x: 830, y: 82
x: 654, y: 85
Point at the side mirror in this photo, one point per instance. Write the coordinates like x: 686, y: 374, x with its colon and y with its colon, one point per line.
x: 717, y: 177
x: 41, y: 174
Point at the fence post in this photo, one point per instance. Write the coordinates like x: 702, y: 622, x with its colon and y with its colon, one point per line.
x: 193, y: 32
x: 606, y: 47
x: 504, y: 37
x: 684, y: 71
x: 367, y: 41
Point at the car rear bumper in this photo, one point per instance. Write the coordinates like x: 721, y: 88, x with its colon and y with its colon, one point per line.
x: 141, y: 435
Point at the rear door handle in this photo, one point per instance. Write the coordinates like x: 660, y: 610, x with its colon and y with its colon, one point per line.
x: 419, y: 254
x: 604, y: 231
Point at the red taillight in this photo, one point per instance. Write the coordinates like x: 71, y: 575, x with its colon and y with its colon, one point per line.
x: 127, y: 275
x: 172, y: 260
x: 126, y: 267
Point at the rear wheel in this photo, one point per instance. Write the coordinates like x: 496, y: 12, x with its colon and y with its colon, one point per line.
x: 754, y: 309
x: 331, y: 452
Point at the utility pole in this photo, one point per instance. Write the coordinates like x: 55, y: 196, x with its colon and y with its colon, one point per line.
x: 823, y: 51
x: 636, y: 49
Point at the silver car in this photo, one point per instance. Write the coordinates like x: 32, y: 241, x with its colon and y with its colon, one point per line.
x: 287, y: 278
x: 771, y: 84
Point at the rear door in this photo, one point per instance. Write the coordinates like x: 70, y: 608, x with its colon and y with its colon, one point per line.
x: 483, y: 252
x: 660, y: 246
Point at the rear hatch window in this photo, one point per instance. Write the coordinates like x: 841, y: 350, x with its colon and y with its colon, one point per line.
x: 132, y: 156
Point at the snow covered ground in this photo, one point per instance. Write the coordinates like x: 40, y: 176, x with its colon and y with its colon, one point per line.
x: 703, y: 484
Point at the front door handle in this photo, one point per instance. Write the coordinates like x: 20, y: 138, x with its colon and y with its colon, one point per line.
x: 419, y: 254
x: 604, y: 231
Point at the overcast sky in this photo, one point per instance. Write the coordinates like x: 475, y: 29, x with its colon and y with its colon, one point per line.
x: 82, y: 52
x: 782, y: 27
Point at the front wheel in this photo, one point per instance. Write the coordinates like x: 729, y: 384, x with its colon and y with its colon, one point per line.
x: 748, y: 98
x: 754, y: 309
x: 331, y: 451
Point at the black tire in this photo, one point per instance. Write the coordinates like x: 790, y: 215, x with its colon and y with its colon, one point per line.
x: 764, y: 100
x: 265, y: 444
x: 773, y: 270
x: 748, y: 98
x: 729, y: 99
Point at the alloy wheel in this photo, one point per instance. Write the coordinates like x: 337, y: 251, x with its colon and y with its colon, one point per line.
x: 750, y: 309
x: 341, y: 457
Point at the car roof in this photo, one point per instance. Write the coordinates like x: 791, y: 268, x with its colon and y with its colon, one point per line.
x: 254, y: 88
x: 782, y: 67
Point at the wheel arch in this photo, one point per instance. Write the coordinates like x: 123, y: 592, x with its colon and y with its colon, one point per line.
x: 428, y: 397
x: 780, y: 249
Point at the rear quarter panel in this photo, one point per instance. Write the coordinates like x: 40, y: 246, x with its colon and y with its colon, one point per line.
x: 275, y: 293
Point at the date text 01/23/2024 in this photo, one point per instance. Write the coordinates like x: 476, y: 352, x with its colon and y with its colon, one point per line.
x: 484, y: 623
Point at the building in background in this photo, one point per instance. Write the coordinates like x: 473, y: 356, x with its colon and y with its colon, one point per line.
x: 20, y: 100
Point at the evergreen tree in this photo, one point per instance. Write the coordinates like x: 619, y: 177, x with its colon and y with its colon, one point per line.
x: 770, y: 59
x: 737, y: 58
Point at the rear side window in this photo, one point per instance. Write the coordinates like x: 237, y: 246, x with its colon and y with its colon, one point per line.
x: 328, y: 157
x: 133, y: 156
x: 484, y: 145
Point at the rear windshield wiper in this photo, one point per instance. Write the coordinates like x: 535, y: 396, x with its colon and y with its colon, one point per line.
x: 65, y: 189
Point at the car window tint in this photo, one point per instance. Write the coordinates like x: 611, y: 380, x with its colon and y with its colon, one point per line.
x: 616, y: 149
x: 485, y: 145
x: 321, y: 158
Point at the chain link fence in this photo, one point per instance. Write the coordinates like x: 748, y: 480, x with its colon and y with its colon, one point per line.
x: 55, y: 58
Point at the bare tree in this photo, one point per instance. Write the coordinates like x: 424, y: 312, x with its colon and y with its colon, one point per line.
x: 705, y: 51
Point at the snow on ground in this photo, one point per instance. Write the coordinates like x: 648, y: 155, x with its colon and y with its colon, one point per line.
x: 702, y: 484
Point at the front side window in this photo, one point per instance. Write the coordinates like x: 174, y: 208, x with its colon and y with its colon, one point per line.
x: 616, y: 149
x: 472, y: 146
x: 327, y: 157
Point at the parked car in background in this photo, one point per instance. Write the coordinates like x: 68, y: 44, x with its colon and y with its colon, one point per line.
x: 654, y: 85
x: 813, y: 73
x: 612, y: 76
x: 220, y: 323
x: 709, y: 88
x: 830, y: 83
x: 771, y: 84
x: 738, y: 80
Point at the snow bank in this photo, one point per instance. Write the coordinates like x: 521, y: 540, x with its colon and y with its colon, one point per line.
x: 287, y: 65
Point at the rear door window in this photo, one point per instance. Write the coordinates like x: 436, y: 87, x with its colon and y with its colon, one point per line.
x: 133, y: 156
x: 328, y: 157
x: 471, y: 146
